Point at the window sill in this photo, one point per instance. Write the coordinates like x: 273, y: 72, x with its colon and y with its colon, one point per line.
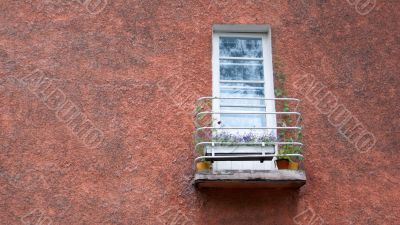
x: 270, y: 179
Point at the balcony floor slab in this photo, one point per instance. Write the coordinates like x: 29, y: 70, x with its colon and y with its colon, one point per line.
x: 269, y: 179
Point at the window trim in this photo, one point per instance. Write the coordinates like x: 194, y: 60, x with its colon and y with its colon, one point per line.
x: 242, y: 28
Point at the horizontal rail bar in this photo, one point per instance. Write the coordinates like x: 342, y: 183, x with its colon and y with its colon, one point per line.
x: 248, y: 98
x: 247, y: 112
x: 248, y: 128
x: 260, y: 113
x: 245, y: 144
x: 245, y: 157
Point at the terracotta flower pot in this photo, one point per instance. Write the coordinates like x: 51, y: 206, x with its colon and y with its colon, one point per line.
x: 293, y: 166
x: 283, y: 164
x: 200, y: 166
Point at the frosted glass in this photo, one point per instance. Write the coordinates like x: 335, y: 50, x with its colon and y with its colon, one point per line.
x: 241, y: 70
x: 236, y: 71
x: 242, y: 120
x: 240, y: 47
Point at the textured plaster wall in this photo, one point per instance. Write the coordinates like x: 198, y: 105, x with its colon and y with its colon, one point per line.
x: 135, y: 68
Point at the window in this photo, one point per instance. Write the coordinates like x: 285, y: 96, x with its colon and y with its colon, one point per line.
x: 242, y: 81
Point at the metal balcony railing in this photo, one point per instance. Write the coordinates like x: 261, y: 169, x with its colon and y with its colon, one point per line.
x: 284, y: 137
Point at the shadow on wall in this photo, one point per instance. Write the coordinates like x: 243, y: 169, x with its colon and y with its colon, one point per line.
x: 247, y: 207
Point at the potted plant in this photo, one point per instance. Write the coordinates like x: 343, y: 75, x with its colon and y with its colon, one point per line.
x: 203, y: 165
x: 295, y: 149
x: 282, y: 162
x: 287, y: 162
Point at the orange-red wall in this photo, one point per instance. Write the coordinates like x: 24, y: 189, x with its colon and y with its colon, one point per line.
x: 134, y: 70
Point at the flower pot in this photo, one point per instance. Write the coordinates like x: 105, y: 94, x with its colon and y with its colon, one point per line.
x: 293, y: 166
x: 283, y: 164
x: 200, y: 166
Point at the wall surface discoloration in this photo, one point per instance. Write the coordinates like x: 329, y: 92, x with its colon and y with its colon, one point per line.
x: 136, y: 67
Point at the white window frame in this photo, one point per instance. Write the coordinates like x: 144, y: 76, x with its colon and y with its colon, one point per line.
x: 258, y: 31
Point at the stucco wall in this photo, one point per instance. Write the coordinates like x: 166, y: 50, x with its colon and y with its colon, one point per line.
x: 134, y: 68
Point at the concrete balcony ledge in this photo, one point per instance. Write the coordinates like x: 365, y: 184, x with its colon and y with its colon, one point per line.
x: 269, y: 179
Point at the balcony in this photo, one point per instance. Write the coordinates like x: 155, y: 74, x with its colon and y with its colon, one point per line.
x: 249, y: 157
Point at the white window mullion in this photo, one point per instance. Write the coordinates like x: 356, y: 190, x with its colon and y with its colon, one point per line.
x: 241, y: 58
x: 243, y: 81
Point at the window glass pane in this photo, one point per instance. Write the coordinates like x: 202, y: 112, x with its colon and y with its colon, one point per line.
x: 241, y: 70
x: 246, y: 90
x: 244, y: 85
x: 242, y: 109
x: 236, y: 71
x: 239, y: 92
x: 242, y: 120
x: 240, y: 47
x: 243, y: 102
x: 249, y: 121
